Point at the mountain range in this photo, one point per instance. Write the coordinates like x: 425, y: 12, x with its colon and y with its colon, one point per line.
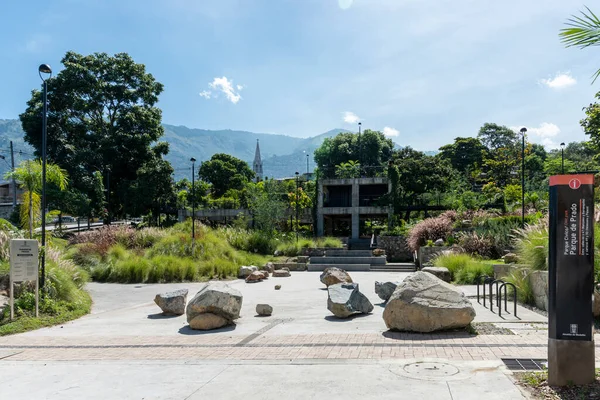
x: 282, y: 155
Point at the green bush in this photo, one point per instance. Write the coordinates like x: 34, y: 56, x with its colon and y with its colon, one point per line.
x: 329, y: 242
x: 262, y: 243
x: 532, y: 245
x: 464, y: 268
x: 520, y: 278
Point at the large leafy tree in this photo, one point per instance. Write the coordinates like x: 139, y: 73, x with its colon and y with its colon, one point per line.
x: 582, y: 31
x: 225, y: 172
x: 372, y: 152
x: 102, y: 117
x: 465, y: 154
x: 502, y: 158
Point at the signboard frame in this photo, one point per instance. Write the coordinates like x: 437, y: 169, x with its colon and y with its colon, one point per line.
x: 24, y: 267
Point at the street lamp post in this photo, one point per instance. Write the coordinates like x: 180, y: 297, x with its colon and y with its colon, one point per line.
x: 297, y: 201
x: 306, y: 166
x: 523, y: 132
x: 562, y: 157
x: 359, y: 147
x: 44, y: 69
x: 193, y: 160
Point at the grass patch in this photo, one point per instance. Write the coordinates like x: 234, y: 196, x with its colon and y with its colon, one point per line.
x: 520, y: 278
x: 537, y: 384
x: 465, y: 269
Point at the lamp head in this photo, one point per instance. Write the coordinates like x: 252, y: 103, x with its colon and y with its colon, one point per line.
x: 562, y: 144
x: 297, y: 173
x: 193, y: 159
x: 45, y: 69
x: 523, y: 130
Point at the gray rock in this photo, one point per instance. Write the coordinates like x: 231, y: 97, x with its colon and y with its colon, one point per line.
x: 172, y: 303
x: 281, y: 273
x: 440, y: 272
x: 334, y: 275
x: 344, y: 299
x: 424, y: 303
x: 511, y: 258
x: 246, y: 270
x: 539, y: 286
x: 439, y: 242
x: 264, y: 309
x: 277, y: 287
x: 269, y: 267
x: 218, y: 299
x: 385, y: 289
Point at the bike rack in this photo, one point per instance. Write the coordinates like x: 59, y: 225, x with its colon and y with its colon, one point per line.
x: 479, y: 283
x: 485, y: 282
x: 506, y: 299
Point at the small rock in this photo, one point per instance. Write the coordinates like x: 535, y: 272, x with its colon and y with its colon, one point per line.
x: 256, y: 276
x: 268, y: 267
x: 378, y: 252
x: 281, y: 273
x: 439, y: 242
x: 440, y: 272
x: 264, y: 309
x: 385, y: 289
x: 333, y: 275
x: 277, y: 253
x: 246, y: 270
x: 511, y: 258
x: 265, y: 274
x: 277, y: 287
x: 172, y: 303
x: 344, y: 299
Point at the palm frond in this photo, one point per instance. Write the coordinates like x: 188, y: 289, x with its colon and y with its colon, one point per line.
x: 582, y: 31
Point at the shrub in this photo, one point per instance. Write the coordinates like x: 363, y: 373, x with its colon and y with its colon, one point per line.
x: 262, y: 243
x: 478, y: 244
x: 430, y: 229
x: 147, y: 237
x: 532, y: 245
x: 463, y: 268
x: 328, y: 242
x: 102, y: 239
x: 520, y: 278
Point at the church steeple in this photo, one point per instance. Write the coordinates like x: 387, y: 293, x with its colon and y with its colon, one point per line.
x: 257, y: 166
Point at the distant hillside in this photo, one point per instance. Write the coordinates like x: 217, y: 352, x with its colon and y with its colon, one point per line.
x: 282, y: 155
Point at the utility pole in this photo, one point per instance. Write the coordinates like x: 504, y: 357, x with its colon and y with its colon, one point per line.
x: 12, y: 165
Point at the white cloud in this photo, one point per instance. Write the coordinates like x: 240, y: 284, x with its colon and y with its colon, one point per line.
x: 390, y: 132
x: 545, y: 130
x: 350, y: 117
x: 560, y: 81
x: 226, y: 87
x: 345, y: 4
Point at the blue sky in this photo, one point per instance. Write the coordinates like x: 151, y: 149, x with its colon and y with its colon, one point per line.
x: 426, y: 71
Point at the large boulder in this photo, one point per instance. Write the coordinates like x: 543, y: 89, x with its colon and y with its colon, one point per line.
x: 440, y: 272
x: 385, y: 289
x: 172, y: 303
x: 334, y: 275
x: 246, y: 270
x: 344, y: 299
x: 214, y: 306
x: 424, y: 303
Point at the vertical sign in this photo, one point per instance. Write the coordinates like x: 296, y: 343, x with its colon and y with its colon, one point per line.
x: 24, y: 263
x: 571, y: 257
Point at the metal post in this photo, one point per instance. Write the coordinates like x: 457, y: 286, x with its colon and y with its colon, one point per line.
x: 44, y: 139
x: 359, y: 148
x: 193, y: 160
x: 14, y: 182
x: 306, y: 167
x: 108, y: 197
x: 523, y: 131
x: 562, y: 157
x: 297, y: 201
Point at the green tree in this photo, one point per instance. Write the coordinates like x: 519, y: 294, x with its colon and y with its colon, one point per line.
x: 372, y: 152
x: 582, y: 31
x: 267, y: 204
x: 225, y: 172
x: 494, y: 137
x: 29, y: 176
x: 502, y: 159
x: 350, y: 169
x: 102, y: 117
x: 465, y: 154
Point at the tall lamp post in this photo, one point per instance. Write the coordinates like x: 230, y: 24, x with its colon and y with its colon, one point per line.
x: 523, y: 132
x: 359, y: 148
x: 306, y: 166
x: 44, y: 69
x: 297, y: 201
x: 562, y: 157
x: 193, y: 160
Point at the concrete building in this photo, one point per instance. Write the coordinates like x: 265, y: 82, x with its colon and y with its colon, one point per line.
x: 257, y: 165
x: 345, y: 204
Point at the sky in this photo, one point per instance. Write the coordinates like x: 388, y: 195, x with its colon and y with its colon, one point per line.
x: 421, y: 71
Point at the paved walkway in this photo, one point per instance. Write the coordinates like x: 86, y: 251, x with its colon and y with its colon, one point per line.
x: 301, y: 346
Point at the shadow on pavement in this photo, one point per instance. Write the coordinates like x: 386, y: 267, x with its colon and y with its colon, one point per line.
x: 440, y: 335
x: 333, y: 318
x: 162, y: 316
x: 186, y: 330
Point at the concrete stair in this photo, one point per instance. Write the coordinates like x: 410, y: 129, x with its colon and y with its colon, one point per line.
x: 359, y: 244
x: 394, y: 267
x: 348, y: 253
x: 348, y: 260
x: 347, y: 267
